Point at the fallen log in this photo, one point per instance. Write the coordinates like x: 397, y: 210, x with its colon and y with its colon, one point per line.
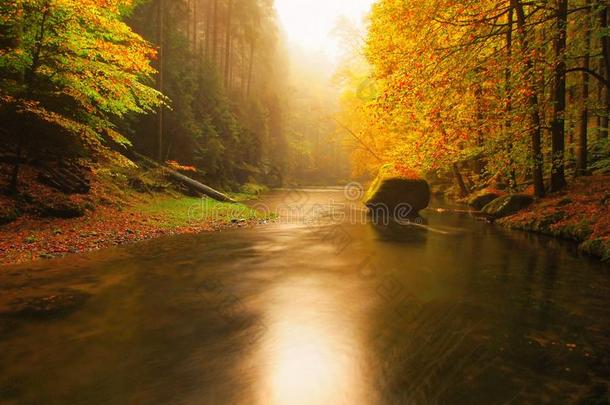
x: 186, y: 181
x: 197, y: 186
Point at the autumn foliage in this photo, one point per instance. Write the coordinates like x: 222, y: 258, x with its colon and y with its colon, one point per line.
x: 492, y: 90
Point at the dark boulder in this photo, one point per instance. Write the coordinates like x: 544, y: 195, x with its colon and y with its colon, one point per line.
x: 397, y: 195
x: 60, y: 208
x: 69, y: 178
x: 508, y: 205
x: 481, y: 200
x: 8, y: 215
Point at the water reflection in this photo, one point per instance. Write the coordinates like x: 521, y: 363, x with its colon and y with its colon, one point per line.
x: 324, y: 312
x: 312, y: 352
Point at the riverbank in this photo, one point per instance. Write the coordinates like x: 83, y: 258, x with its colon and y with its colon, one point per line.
x: 30, y: 238
x: 581, y: 214
x: 123, y: 205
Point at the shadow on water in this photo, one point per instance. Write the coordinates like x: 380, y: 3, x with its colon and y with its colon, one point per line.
x: 314, y: 309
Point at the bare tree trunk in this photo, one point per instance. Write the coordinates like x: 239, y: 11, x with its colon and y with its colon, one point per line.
x: 208, y: 29
x: 600, y: 96
x: 251, y: 66
x: 188, y: 22
x: 14, y: 184
x: 478, y: 93
x: 460, y: 180
x: 558, y: 180
x: 581, y: 154
x: 508, y: 90
x: 228, y: 45
x: 160, y: 38
x: 605, y: 42
x: 215, y: 33
x: 195, y: 25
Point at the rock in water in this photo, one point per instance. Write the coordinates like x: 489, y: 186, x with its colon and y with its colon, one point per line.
x: 398, y: 195
x: 481, y: 200
x: 508, y: 205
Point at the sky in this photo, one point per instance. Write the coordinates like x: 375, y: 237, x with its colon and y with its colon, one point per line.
x: 309, y: 23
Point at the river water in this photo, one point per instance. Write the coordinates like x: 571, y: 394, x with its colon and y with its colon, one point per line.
x: 321, y: 307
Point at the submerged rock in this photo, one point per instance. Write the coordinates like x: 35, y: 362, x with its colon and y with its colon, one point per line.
x: 481, y: 200
x: 396, y: 195
x: 50, y: 306
x: 508, y: 205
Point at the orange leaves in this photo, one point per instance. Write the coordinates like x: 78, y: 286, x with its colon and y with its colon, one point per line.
x: 172, y: 164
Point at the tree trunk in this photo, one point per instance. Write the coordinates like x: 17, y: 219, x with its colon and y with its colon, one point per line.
x: 195, y: 25
x: 460, y: 180
x: 478, y: 93
x: 14, y: 185
x: 600, y: 97
x: 189, y: 7
x: 509, y: 94
x: 536, y: 134
x: 208, y: 29
x: 250, y: 67
x: 215, y: 33
x: 605, y: 42
x: 228, y: 45
x: 187, y: 181
x: 558, y: 180
x: 160, y: 38
x: 581, y: 154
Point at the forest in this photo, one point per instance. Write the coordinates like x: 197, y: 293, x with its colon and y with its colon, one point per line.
x: 305, y: 202
x: 488, y: 92
x: 201, y: 82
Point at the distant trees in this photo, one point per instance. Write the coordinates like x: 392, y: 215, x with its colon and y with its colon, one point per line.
x: 502, y: 84
x: 78, y: 69
x: 222, y: 70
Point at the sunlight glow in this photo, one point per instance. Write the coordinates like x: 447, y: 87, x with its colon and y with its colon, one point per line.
x: 312, y: 353
x: 309, y: 23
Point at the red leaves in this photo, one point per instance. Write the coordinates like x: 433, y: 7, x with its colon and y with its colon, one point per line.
x: 172, y: 164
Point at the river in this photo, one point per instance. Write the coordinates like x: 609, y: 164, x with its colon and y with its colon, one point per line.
x: 319, y: 307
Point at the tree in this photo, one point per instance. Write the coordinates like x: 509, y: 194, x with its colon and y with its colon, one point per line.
x: 558, y: 180
x: 74, y: 62
x: 466, y: 85
x: 583, y: 128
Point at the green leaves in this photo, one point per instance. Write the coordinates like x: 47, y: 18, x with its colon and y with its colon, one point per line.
x: 77, y: 59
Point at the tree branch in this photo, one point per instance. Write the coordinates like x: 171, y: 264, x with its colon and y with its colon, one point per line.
x: 590, y: 72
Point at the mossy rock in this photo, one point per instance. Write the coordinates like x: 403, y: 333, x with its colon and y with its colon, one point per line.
x: 481, y: 200
x: 597, y: 247
x: 394, y: 192
x: 545, y: 223
x: 52, y: 306
x: 8, y: 215
x: 61, y: 209
x: 145, y: 184
x: 508, y: 205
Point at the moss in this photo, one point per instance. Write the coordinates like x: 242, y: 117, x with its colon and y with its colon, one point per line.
x: 8, y: 215
x: 508, y: 205
x: 597, y: 247
x: 545, y: 223
x: 391, y: 190
x: 578, y: 232
x: 178, y: 212
x: 480, y: 200
x: 253, y: 189
x: 61, y: 208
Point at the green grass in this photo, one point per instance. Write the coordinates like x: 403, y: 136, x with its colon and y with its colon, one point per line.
x: 176, y: 212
